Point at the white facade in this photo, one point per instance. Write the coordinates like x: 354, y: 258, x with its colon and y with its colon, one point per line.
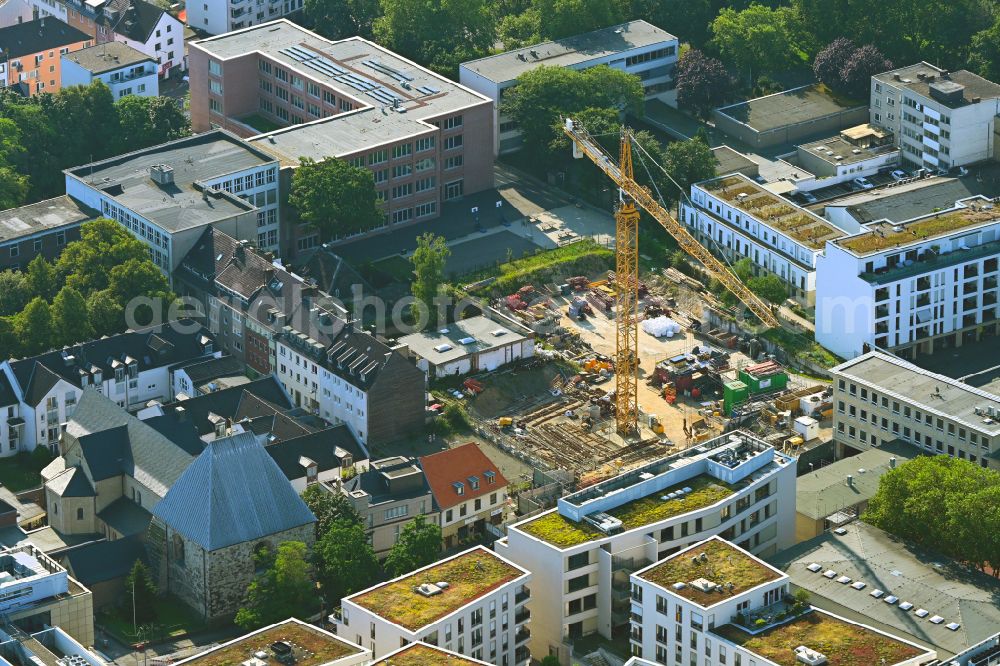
x: 652, y: 62
x: 490, y: 627
x: 908, y: 295
x: 583, y: 588
x: 135, y: 79
x: 940, y: 119
x: 725, y: 226
x: 217, y: 18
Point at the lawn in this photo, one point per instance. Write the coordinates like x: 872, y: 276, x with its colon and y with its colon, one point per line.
x: 310, y: 647
x: 581, y: 258
x: 173, y: 618
x: 469, y: 577
x: 260, y: 123
x: 723, y: 564
x: 843, y: 643
x: 17, y: 474
x: 797, y: 344
x: 564, y: 533
x: 421, y: 655
x: 397, y: 267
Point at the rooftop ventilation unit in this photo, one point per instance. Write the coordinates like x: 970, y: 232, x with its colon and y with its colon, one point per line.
x: 467, y: 341
x: 429, y: 589
x: 703, y: 585
x: 811, y: 657
x: 443, y: 348
x: 162, y: 174
x: 606, y: 523
x: 498, y: 332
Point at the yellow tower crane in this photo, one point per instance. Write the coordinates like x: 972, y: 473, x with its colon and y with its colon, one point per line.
x: 627, y: 265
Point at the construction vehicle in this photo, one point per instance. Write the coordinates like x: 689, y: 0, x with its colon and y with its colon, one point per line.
x: 627, y: 265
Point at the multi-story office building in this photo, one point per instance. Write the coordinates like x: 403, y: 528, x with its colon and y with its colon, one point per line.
x: 217, y: 18
x: 471, y: 603
x: 940, y: 119
x: 718, y: 605
x: 30, y: 54
x: 879, y: 398
x: 426, y: 139
x: 858, y: 151
x: 167, y: 195
x: 635, y: 47
x: 42, y: 228
x: 37, y: 593
x: 737, y: 217
x: 914, y: 287
x: 123, y: 69
x: 582, y: 552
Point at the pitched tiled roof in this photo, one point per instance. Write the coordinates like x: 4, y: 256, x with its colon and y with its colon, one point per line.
x: 136, y: 18
x: 31, y: 37
x: 104, y: 560
x: 71, y: 483
x: 460, y: 465
x: 7, y: 395
x: 232, y: 493
x: 40, y: 381
x: 319, y: 446
x: 262, y: 397
x: 202, y: 371
x: 125, y: 517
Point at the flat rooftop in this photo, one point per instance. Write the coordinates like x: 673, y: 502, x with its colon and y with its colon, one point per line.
x: 900, y: 583
x: 789, y: 107
x: 107, y: 57
x: 311, y: 646
x: 462, y: 338
x: 884, y: 235
x: 421, y: 654
x: 469, y: 575
x: 182, y: 204
x: 922, y: 76
x: 836, y: 150
x: 569, y: 52
x: 934, y: 393
x: 723, y: 563
x: 560, y: 531
x: 43, y: 217
x: 842, y: 643
x: 906, y: 201
x: 729, y: 160
x: 797, y: 223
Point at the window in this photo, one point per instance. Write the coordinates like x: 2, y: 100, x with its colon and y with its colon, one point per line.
x: 425, y: 144
x: 401, y: 191
x: 425, y: 184
x: 453, y: 142
x: 396, y: 512
x: 451, y: 123
x: 312, y: 89
x: 378, y: 157
x: 402, y: 170
x: 453, y: 162
x: 214, y: 68
x: 79, y: 514
x: 425, y: 209
x: 215, y: 87
x: 402, y: 150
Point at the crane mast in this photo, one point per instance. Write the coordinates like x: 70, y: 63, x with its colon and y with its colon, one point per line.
x: 627, y: 265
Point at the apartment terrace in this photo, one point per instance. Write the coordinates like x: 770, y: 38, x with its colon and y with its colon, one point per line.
x: 418, y: 654
x: 562, y: 532
x: 716, y: 561
x: 469, y: 576
x: 310, y: 646
x: 884, y: 235
x: 799, y: 224
x: 841, y: 642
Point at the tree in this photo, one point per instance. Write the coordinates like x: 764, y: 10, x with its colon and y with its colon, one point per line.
x: 430, y: 31
x: 344, y: 560
x: 340, y: 19
x: 33, y: 327
x: 544, y: 95
x: 90, y: 106
x: 138, y: 277
x: 328, y: 507
x: 10, y: 344
x: 984, y: 52
x: 758, y: 39
x: 702, y: 82
x: 565, y: 18
x: 690, y: 18
x: 14, y: 292
x: 550, y: 660
x: 858, y: 70
x: 106, y: 316
x: 688, y: 162
x: 70, y: 320
x: 428, y: 267
x: 141, y: 593
x: 336, y: 197
x: 419, y: 544
x: 41, y: 277
x: 86, y: 264
x: 285, y: 589
x: 829, y: 63
x: 769, y: 287
x: 13, y: 188
x: 148, y: 121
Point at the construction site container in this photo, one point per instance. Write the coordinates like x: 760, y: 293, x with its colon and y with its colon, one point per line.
x: 733, y: 393
x: 808, y: 427
x: 505, y: 421
x: 765, y: 380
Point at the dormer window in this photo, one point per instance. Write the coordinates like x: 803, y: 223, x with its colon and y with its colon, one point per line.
x: 459, y: 487
x: 474, y: 482
x: 490, y: 475
x: 98, y: 377
x: 119, y: 374
x: 133, y: 370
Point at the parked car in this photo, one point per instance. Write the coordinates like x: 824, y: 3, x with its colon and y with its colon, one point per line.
x: 899, y: 175
x: 861, y: 183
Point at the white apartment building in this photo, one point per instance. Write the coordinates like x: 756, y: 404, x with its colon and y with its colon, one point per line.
x: 123, y: 69
x: 635, y: 47
x: 735, y: 216
x: 39, y: 394
x: 879, y: 398
x: 940, y: 119
x: 167, y: 195
x: 582, y: 552
x: 914, y: 287
x: 217, y: 18
x: 716, y: 604
x: 863, y: 150
x: 471, y: 603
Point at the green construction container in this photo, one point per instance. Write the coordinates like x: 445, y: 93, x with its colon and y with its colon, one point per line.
x: 733, y: 393
x: 764, y: 383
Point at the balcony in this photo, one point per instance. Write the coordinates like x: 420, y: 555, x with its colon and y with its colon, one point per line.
x: 923, y: 300
x: 970, y: 303
x: 522, y: 615
x: 970, y: 287
x: 521, y: 655
x: 522, y: 635
x: 881, y: 311
x: 522, y: 596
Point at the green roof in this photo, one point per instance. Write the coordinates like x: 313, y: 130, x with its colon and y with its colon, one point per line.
x: 310, y: 646
x: 562, y: 532
x: 885, y: 236
x: 418, y: 654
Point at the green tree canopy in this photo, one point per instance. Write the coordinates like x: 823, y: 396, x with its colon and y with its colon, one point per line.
x: 283, y: 590
x: 14, y: 292
x: 34, y: 327
x: 140, y: 593
x: 340, y: 19
x: 687, y: 162
x: 419, y: 545
x: 344, y: 560
x: 41, y: 277
x: 106, y: 315
x: 432, y: 31
x: 702, y: 82
x: 758, y: 39
x: 328, y: 507
x: 70, y: 320
x: 769, y: 287
x: 984, y: 52
x: 337, y: 198
x: 565, y: 18
x: 428, y: 267
x: 145, y: 121
x: 86, y: 264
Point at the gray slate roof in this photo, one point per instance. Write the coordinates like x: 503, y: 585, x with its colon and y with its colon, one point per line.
x: 71, y: 483
x: 104, y: 560
x: 232, y: 493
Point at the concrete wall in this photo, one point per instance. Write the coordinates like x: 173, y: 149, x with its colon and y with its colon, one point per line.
x: 831, y: 124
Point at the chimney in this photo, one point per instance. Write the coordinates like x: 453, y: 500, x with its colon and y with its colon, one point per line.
x: 892, y: 463
x: 850, y: 481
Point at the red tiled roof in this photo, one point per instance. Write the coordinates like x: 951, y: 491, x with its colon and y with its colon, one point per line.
x: 458, y: 465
